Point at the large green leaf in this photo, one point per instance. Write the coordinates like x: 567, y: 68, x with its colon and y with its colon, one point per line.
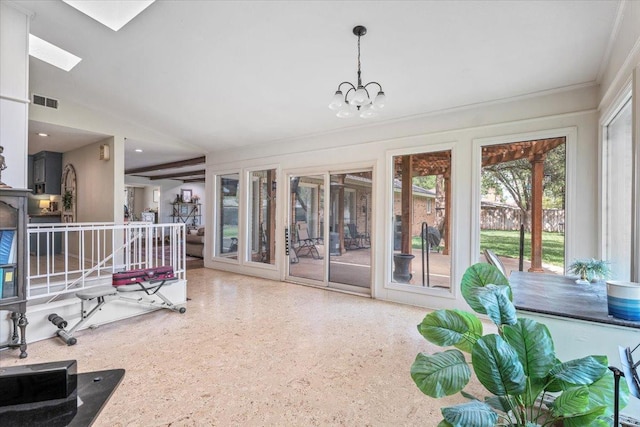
x: 535, y: 386
x: 534, y: 345
x: 475, y: 325
x: 444, y: 423
x: 602, y: 393
x: 571, y: 402
x: 592, y: 418
x: 497, y: 366
x: 501, y: 403
x: 584, y: 371
x: 477, y: 276
x: 450, y: 327
x: 476, y: 414
x: 440, y: 374
x: 496, y: 303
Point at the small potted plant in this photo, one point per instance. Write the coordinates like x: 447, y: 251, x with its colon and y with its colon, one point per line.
x: 589, y: 270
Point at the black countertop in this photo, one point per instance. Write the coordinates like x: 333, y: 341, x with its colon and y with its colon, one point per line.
x: 93, y: 391
x: 561, y: 296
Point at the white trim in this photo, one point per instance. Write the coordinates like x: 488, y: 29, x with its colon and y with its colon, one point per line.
x: 571, y: 140
x: 635, y: 135
x: 388, y: 213
x: 14, y: 99
x: 625, y: 70
x: 613, y: 109
x: 611, y: 42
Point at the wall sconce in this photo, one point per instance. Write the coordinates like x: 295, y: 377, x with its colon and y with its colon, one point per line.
x: 104, y: 152
x: 44, y: 205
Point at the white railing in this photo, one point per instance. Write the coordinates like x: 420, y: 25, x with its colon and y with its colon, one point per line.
x: 64, y: 258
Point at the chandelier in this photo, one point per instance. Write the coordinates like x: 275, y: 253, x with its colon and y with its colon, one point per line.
x: 356, y: 99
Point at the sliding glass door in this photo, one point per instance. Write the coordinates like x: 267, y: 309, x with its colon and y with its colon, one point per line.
x: 330, y: 232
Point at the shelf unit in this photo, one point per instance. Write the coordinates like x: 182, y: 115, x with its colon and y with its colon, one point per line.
x: 186, y: 213
x: 13, y: 261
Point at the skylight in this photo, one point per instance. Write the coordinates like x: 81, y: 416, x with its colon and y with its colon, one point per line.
x: 114, y: 14
x: 52, y: 54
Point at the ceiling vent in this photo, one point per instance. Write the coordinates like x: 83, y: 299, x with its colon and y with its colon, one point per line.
x: 44, y: 101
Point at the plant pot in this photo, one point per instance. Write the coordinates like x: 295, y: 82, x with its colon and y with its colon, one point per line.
x: 623, y: 299
x: 402, y: 267
x: 582, y: 281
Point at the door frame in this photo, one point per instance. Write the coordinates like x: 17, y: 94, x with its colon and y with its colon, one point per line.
x: 326, y: 173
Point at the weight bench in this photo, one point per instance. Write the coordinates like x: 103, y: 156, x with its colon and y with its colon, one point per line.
x: 150, y: 281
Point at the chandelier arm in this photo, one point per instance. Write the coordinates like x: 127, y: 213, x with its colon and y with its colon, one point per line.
x: 346, y: 94
x: 375, y: 83
x: 346, y: 83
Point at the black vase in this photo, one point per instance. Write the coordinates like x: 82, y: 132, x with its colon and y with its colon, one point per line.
x: 402, y: 267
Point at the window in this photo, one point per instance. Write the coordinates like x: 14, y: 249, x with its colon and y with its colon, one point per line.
x: 421, y: 234
x: 618, y: 192
x: 227, y: 218
x: 262, y: 217
x: 523, y: 185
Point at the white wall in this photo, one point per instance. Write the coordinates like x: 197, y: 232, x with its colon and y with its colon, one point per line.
x: 14, y: 93
x: 95, y: 198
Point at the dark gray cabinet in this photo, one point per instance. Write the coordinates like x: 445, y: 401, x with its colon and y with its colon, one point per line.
x: 39, y: 243
x: 47, y: 172
x: 13, y: 261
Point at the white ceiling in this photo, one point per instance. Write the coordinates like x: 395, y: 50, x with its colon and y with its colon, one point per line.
x: 222, y: 74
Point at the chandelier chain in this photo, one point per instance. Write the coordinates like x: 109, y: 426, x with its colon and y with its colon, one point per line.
x: 359, y: 79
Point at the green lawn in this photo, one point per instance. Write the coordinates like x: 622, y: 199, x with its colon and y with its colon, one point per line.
x: 506, y: 243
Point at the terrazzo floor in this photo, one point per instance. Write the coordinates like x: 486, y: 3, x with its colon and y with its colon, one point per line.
x: 254, y: 352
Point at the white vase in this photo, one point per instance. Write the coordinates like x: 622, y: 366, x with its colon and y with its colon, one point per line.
x: 623, y: 299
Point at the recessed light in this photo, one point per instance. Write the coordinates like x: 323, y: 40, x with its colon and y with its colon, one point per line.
x: 43, y: 134
x: 138, y: 150
x: 52, y: 54
x: 114, y: 14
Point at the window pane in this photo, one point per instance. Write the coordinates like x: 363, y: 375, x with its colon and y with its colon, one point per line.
x: 262, y: 221
x: 421, y: 219
x: 227, y: 232
x: 523, y: 185
x: 618, y: 200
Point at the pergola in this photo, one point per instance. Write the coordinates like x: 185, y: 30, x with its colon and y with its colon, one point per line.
x: 439, y: 163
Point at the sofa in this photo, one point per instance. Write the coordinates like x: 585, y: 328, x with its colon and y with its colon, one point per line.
x: 195, y: 242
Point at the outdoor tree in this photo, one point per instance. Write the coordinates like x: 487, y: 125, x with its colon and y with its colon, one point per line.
x: 514, y: 177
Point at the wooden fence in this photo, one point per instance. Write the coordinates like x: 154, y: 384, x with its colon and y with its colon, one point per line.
x: 508, y: 218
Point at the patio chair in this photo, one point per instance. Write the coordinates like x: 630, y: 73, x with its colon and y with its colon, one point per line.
x: 352, y: 238
x: 306, y: 244
x: 493, y: 259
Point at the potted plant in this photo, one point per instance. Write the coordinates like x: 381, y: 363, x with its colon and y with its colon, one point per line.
x: 67, y: 200
x: 517, y: 366
x: 589, y: 270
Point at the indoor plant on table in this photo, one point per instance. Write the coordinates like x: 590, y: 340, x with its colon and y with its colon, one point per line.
x: 589, y: 270
x: 517, y: 366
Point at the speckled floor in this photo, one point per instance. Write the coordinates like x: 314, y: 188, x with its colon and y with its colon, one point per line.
x: 259, y: 353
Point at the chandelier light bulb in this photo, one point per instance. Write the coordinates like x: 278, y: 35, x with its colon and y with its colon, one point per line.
x: 360, y: 97
x: 367, y: 112
x: 380, y: 101
x: 346, y: 113
x: 356, y: 99
x: 338, y: 101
